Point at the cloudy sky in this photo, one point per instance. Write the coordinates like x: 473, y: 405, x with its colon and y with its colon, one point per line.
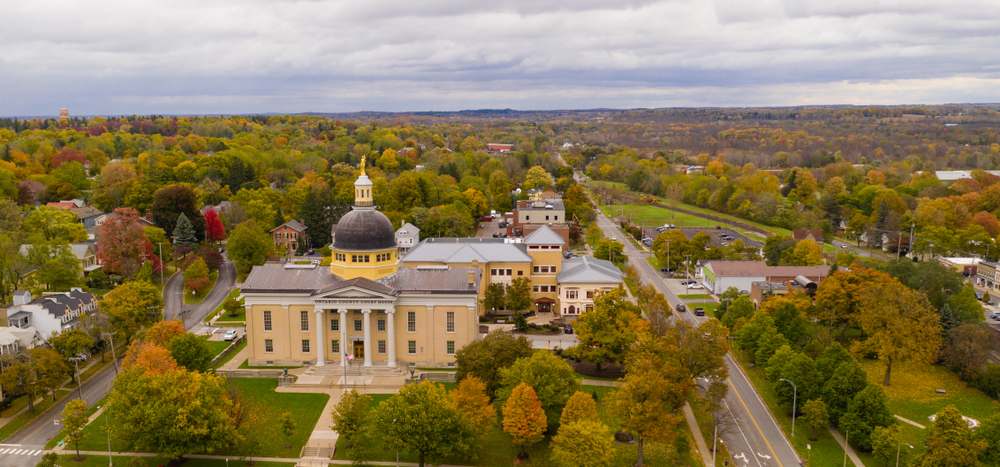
x: 248, y: 56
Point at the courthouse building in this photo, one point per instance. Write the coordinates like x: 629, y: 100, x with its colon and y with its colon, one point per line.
x: 387, y: 311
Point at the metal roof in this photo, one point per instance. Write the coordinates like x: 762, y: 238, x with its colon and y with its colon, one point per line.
x: 293, y: 224
x: 364, y: 230
x: 275, y: 278
x: 584, y: 269
x: 544, y: 236
x: 448, y: 280
x: 464, y: 250
x: 278, y: 278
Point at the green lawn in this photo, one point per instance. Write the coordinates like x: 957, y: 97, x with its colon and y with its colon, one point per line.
x: 704, y: 419
x: 825, y: 450
x: 232, y: 354
x: 653, y: 216
x: 216, y: 346
x: 497, y: 449
x: 709, y: 308
x: 245, y: 366
x: 693, y: 296
x: 191, y: 298
x: 241, y: 316
x: 305, y: 410
x: 102, y: 461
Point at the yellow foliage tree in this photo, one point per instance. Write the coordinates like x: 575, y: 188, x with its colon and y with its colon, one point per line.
x: 523, y: 417
x: 580, y: 407
x: 470, y: 400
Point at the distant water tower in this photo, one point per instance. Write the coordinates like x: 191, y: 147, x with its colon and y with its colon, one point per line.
x: 63, y: 114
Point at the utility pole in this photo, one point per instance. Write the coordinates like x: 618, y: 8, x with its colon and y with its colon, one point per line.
x: 687, y: 262
x: 912, y: 226
x: 161, y: 264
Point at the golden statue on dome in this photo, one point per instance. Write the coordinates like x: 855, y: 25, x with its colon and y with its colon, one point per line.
x: 363, y: 165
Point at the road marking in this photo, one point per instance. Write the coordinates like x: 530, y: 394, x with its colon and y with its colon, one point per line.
x: 733, y: 387
x: 744, y: 435
x: 742, y: 457
x: 12, y: 445
x: 764, y: 456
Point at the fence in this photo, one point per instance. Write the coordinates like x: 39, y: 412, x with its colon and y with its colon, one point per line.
x: 228, y: 350
x: 251, y: 373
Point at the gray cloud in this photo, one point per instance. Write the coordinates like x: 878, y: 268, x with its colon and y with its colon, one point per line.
x: 256, y: 56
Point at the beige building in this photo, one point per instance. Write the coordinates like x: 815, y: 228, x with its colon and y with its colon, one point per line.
x: 582, y: 279
x: 384, y: 311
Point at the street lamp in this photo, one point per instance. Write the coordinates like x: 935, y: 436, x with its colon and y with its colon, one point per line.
x: 898, y: 446
x: 795, y: 396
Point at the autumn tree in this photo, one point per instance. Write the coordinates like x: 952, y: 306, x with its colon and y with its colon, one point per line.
x: 420, y: 419
x: 537, y: 177
x: 470, y: 400
x: 46, y: 224
x: 647, y: 402
x: 887, y: 442
x: 967, y: 349
x: 550, y: 377
x: 605, y: 333
x: 148, y: 357
x: 899, y: 325
x: 196, y: 275
x: 163, y: 332
x: 580, y: 407
x: 486, y: 358
x: 131, y: 306
x: 288, y: 428
x: 171, y: 413
x: 248, y: 246
x: 73, y: 422
x: 350, y: 415
x: 523, y: 417
x: 950, y: 443
x: 584, y: 443
x: 121, y: 243
x: 214, y: 230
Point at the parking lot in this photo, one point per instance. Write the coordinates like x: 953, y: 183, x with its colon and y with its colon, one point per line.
x: 714, y: 234
x: 489, y: 228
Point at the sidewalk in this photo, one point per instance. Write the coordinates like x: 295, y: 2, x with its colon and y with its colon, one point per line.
x: 850, y: 451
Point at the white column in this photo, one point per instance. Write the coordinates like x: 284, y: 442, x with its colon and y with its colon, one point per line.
x: 368, y: 337
x: 343, y: 336
x: 320, y: 346
x: 390, y: 314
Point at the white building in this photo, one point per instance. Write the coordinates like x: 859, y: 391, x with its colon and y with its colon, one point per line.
x: 49, y: 314
x: 717, y: 276
x: 581, y: 279
x: 407, y: 237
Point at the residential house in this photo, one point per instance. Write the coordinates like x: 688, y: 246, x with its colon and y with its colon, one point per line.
x: 815, y: 235
x: 762, y: 290
x: 50, y: 313
x: 291, y: 234
x: 406, y: 237
x: 83, y: 251
x: 498, y: 148
x: 581, y: 280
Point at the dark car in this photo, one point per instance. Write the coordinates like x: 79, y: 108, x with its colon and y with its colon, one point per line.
x: 699, y: 311
x: 568, y: 329
x: 667, y: 270
x: 681, y: 308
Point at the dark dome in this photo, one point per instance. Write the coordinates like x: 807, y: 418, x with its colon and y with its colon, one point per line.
x: 364, y: 229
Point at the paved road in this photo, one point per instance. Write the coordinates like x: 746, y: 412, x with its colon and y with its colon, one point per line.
x: 755, y: 440
x: 25, y: 448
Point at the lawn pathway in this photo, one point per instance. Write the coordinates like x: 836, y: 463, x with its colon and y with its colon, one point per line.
x: 911, y: 422
x: 850, y: 451
x: 706, y: 454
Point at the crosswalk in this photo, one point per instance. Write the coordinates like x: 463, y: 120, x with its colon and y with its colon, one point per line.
x: 21, y: 452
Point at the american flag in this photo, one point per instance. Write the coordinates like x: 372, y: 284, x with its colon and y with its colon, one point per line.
x: 348, y: 357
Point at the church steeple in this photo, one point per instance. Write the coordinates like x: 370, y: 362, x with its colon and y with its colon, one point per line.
x: 363, y: 189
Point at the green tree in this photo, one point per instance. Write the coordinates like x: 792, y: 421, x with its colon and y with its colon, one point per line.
x: 169, y: 203
x: 191, y: 352
x: 966, y: 307
x: 815, y: 415
x: 494, y: 297
x: 607, y: 332
x: 519, y: 294
x: 989, y: 432
x: 868, y: 409
x: 833, y: 355
x: 887, y: 442
x: 131, y: 306
x: 47, y: 224
x: 846, y: 382
x: 610, y: 250
x: 74, y: 421
x: 248, y: 246
x: 55, y: 265
x: 184, y: 236
x: 499, y: 190
x: 584, y: 443
x: 350, y: 415
x: 171, y: 413
x: 523, y: 417
x: 288, y: 428
x: 49, y: 460
x: 70, y: 344
x: 789, y: 322
x: 950, y: 443
x: 549, y: 376
x: 987, y: 297
x: 486, y: 358
x: 537, y: 177
x: 421, y: 419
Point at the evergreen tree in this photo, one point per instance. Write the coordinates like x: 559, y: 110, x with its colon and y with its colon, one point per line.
x: 184, y: 233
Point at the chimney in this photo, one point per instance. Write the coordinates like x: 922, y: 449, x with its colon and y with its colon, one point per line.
x: 149, y: 214
x: 303, y: 222
x: 472, y: 278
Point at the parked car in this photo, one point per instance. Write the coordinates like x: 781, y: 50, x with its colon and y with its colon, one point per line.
x: 695, y: 286
x: 481, y: 225
x: 614, y: 239
x: 699, y: 311
x: 666, y: 269
x: 568, y: 329
x: 230, y: 335
x: 687, y: 282
x: 681, y: 308
x: 995, y: 315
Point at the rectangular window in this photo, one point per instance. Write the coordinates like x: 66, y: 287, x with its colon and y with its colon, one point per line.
x: 411, y: 321
x: 536, y: 269
x: 335, y: 324
x: 557, y: 217
x: 381, y: 325
x: 450, y: 322
x: 590, y: 294
x: 509, y: 272
x: 571, y: 294
x: 411, y: 347
x: 267, y: 320
x: 552, y: 269
x: 305, y: 345
x: 304, y: 319
x: 546, y: 217
x: 520, y: 272
x: 366, y: 258
x: 357, y: 325
x: 335, y: 346
x: 493, y: 272
x: 268, y: 346
x: 535, y: 289
x: 450, y: 350
x: 381, y: 346
x: 354, y: 258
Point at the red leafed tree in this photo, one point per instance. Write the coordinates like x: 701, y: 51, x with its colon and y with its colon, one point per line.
x: 214, y: 230
x: 68, y: 154
x: 121, y: 243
